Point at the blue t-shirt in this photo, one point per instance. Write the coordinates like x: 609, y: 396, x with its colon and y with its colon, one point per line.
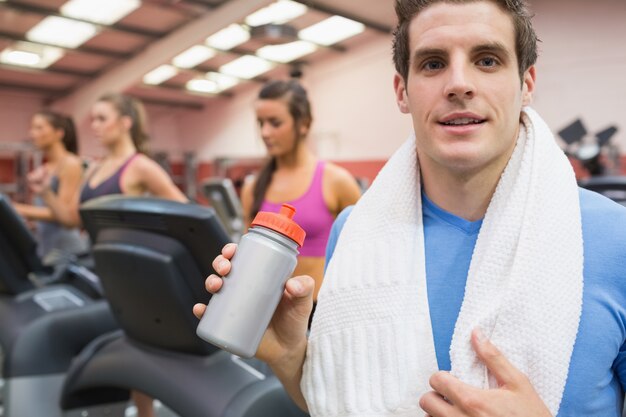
x: 597, y: 373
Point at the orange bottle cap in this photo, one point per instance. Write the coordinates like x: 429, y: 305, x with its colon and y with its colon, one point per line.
x: 282, y: 223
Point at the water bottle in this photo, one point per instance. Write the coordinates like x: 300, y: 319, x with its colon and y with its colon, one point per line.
x: 239, y: 313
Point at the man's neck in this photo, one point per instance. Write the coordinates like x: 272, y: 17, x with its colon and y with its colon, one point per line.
x: 466, y: 195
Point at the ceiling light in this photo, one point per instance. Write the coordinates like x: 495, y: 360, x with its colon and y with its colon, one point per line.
x: 32, y: 55
x: 247, y: 67
x: 228, y: 37
x: 279, y: 12
x: 213, y: 83
x: 201, y: 85
x: 105, y: 12
x: 193, y: 56
x: 331, y: 30
x: 160, y: 74
x: 224, y: 82
x: 23, y: 58
x: 286, y: 52
x: 61, y: 31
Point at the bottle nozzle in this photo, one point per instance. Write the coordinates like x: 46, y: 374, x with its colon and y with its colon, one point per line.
x: 288, y: 211
x: 281, y: 222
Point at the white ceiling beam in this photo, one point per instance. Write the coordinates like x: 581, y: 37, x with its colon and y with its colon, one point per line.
x: 157, y: 53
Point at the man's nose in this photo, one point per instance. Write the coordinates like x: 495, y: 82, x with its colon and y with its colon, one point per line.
x: 459, y: 84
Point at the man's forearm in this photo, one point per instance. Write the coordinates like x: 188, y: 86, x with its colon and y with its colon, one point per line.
x: 289, y: 372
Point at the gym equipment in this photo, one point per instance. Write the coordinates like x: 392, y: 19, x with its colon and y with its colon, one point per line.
x: 47, y: 315
x: 589, y: 151
x: 21, y: 269
x: 223, y: 198
x: 153, y: 257
x: 613, y: 187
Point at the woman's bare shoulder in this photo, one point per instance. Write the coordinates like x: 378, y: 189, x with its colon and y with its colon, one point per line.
x: 338, y: 173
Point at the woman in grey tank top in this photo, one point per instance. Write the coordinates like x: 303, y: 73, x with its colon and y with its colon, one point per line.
x: 118, y: 122
x: 54, y: 134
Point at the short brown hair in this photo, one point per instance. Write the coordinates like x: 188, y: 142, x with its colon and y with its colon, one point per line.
x: 525, y: 36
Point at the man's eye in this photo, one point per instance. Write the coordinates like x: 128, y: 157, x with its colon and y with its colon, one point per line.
x: 432, y: 65
x: 488, y: 62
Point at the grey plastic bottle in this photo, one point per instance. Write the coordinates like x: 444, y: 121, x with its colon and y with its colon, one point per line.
x: 239, y: 313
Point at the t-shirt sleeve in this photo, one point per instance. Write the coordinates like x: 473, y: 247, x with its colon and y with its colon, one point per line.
x: 335, y: 231
x: 619, y: 366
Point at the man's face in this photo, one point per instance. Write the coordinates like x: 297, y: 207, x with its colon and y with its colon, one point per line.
x: 463, y: 89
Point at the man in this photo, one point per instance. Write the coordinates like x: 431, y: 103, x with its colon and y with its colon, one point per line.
x: 475, y: 243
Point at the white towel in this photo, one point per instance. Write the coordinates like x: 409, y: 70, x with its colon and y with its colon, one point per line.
x: 371, y: 349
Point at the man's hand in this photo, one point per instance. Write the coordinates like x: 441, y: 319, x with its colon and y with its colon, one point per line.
x: 284, y: 343
x: 514, y: 397
x: 286, y: 335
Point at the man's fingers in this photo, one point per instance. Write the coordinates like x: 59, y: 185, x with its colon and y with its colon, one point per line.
x: 299, y: 292
x: 434, y: 405
x: 455, y: 391
x: 199, y: 309
x: 505, y: 373
x: 221, y: 265
x: 229, y: 250
x: 300, y: 286
x: 213, y: 283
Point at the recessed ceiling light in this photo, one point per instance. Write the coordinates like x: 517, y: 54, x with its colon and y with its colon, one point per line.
x: 228, y: 37
x: 331, y: 30
x: 212, y: 83
x: 61, y: 31
x: 286, y: 52
x: 105, y: 12
x: 160, y: 74
x: 246, y: 67
x: 279, y: 12
x: 223, y: 81
x: 193, y: 56
x: 201, y: 85
x: 32, y: 55
x: 23, y: 58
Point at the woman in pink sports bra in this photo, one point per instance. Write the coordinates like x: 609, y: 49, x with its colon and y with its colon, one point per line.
x: 118, y: 121
x: 319, y: 190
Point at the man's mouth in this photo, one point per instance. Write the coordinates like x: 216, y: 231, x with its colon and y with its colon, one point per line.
x: 463, y: 121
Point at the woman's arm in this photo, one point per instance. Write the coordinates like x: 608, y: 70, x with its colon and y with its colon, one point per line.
x: 61, y: 206
x: 343, y: 190
x: 247, y: 198
x: 30, y: 212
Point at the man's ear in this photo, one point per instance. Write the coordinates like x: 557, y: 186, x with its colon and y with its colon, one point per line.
x: 401, y: 96
x: 528, y: 85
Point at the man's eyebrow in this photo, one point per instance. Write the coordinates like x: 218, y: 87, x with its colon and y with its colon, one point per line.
x: 428, y: 52
x: 496, y: 48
